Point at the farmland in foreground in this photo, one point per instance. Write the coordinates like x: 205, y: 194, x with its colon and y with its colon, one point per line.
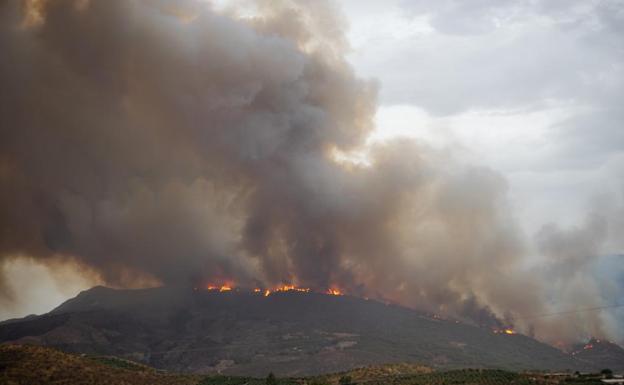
x: 25, y: 365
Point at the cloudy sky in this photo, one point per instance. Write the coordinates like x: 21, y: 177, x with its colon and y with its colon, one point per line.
x: 531, y: 90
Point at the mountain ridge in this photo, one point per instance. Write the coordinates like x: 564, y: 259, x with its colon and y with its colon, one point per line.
x: 289, y: 333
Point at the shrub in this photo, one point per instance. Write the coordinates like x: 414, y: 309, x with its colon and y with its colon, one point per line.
x: 607, y: 373
x: 346, y: 380
x: 271, y: 380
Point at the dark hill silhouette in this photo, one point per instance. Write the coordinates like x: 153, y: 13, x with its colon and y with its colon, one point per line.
x: 288, y: 333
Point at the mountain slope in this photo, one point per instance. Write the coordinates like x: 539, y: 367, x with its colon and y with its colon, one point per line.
x: 35, y: 365
x: 26, y: 365
x: 602, y: 352
x: 289, y: 333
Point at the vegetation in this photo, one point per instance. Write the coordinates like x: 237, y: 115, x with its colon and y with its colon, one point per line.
x: 35, y: 365
x: 607, y: 373
x: 466, y: 376
x: 584, y: 379
x: 117, y: 362
x: 345, y: 380
x: 236, y: 380
x: 27, y: 365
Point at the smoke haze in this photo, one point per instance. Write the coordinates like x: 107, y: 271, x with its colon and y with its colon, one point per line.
x: 160, y: 142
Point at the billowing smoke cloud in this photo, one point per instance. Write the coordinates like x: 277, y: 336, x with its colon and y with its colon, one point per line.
x: 579, y: 273
x: 163, y: 142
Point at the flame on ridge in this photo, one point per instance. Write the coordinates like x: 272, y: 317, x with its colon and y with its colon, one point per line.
x: 333, y: 291
x: 222, y: 288
x: 284, y: 288
x: 267, y: 292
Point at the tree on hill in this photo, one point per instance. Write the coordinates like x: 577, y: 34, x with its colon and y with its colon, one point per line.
x: 607, y: 373
x: 346, y: 380
x: 271, y: 380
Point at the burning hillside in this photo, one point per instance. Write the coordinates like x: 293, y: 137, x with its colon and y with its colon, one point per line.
x: 289, y: 332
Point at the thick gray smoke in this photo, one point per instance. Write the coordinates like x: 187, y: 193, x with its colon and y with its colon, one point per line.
x: 164, y: 141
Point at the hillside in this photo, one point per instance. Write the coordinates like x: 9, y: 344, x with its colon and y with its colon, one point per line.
x: 30, y: 365
x: 289, y: 333
x: 604, y: 352
x: 26, y: 365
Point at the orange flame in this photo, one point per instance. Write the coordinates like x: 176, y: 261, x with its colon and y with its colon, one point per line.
x: 267, y: 292
x: 222, y: 288
x: 292, y: 288
x: 333, y: 291
x: 285, y: 288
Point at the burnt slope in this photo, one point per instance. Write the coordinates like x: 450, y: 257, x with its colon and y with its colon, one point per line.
x: 289, y: 333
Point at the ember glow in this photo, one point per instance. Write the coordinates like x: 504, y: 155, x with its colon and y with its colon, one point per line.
x: 221, y: 288
x: 286, y: 288
x: 504, y: 331
x: 334, y: 291
x: 292, y: 288
x: 267, y: 292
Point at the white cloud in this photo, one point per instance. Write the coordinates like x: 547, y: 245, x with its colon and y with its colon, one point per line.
x: 530, y: 88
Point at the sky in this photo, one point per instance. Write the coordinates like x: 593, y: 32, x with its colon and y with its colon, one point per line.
x: 529, y: 90
x: 533, y: 89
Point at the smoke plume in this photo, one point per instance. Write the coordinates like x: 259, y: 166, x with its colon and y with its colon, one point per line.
x: 163, y: 142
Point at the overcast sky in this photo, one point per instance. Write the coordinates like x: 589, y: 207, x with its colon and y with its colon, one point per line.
x: 533, y: 89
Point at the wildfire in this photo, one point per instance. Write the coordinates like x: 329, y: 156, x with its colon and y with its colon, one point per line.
x: 292, y: 288
x: 268, y: 292
x: 285, y: 288
x: 588, y: 346
x: 504, y: 331
x: 333, y: 291
x: 221, y: 288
